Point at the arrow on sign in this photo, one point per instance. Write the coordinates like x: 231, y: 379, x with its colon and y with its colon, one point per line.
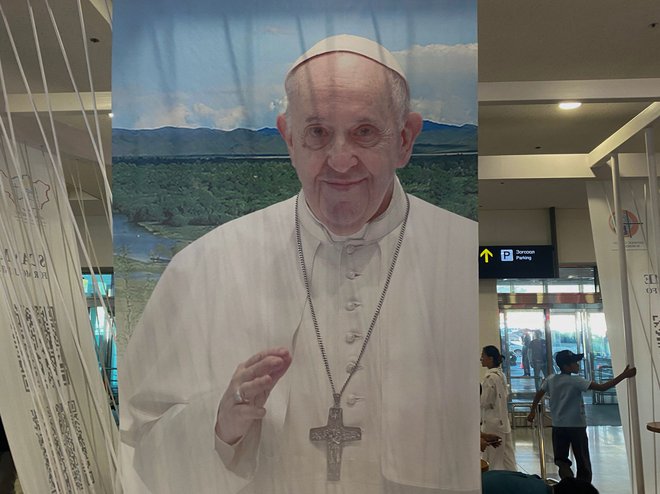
x: 485, y: 253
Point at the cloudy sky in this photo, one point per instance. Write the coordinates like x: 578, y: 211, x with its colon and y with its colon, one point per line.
x: 221, y: 64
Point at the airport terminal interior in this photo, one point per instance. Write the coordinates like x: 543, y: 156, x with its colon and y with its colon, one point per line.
x: 534, y: 163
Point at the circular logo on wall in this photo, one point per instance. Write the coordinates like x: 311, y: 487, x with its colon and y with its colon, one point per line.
x: 630, y: 223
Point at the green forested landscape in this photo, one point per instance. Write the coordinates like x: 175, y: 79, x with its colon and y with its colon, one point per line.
x: 180, y: 183
x: 203, y: 192
x: 181, y: 198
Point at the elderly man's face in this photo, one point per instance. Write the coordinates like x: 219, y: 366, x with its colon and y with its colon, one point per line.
x: 345, y: 138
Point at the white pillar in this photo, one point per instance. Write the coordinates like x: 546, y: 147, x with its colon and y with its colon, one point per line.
x: 635, y: 439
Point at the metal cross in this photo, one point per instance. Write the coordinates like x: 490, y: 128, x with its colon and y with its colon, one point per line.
x: 335, y: 435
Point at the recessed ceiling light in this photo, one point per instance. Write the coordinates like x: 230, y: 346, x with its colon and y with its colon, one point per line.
x: 569, y: 105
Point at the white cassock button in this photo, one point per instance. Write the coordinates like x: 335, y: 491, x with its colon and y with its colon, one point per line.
x: 350, y: 249
x: 350, y: 366
x: 351, y: 337
x: 351, y: 400
x: 351, y: 275
x: 352, y: 306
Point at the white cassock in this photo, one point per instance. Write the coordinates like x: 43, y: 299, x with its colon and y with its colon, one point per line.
x: 239, y: 290
x: 495, y: 420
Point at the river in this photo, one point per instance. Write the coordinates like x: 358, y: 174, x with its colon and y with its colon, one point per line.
x: 139, y: 242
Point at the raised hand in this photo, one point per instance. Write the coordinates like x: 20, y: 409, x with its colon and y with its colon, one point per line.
x: 629, y: 372
x: 245, y: 398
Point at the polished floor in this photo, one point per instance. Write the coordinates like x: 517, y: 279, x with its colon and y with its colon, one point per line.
x: 611, y: 474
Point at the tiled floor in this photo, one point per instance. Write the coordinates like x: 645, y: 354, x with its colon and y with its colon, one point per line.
x: 608, y: 456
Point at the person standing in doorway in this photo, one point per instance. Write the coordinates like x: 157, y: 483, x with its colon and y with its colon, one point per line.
x: 538, y: 358
x: 525, y: 354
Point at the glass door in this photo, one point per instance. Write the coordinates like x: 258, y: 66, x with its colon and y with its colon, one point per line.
x: 538, y: 318
x: 600, y: 356
x: 518, y: 328
x: 566, y: 333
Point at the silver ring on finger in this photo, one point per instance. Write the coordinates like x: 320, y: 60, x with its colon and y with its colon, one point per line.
x: 239, y: 398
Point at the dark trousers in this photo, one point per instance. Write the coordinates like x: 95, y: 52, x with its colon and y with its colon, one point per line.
x: 564, y: 438
x: 539, y: 367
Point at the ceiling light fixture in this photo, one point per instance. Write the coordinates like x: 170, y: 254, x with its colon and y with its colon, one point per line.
x: 569, y: 105
x: 111, y: 114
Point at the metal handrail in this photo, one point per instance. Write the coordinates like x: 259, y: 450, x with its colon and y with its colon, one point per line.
x: 540, y: 414
x: 539, y: 432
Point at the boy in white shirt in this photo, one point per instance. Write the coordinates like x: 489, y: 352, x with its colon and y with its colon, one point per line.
x: 569, y: 422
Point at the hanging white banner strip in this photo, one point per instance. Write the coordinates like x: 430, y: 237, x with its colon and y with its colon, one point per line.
x: 644, y: 306
x: 54, y: 410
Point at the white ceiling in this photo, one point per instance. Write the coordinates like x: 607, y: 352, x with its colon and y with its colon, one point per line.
x: 545, y: 129
x: 67, y: 19
x: 553, y: 40
x: 532, y: 53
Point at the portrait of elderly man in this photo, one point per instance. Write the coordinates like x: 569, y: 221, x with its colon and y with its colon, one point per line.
x: 320, y: 344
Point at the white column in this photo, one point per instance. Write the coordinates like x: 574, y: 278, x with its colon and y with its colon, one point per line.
x: 636, y: 445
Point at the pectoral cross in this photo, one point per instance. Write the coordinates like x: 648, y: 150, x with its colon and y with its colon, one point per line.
x: 335, y: 435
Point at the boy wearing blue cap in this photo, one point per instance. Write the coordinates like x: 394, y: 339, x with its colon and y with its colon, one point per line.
x: 569, y: 422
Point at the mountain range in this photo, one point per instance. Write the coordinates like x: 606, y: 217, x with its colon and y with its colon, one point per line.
x: 179, y: 141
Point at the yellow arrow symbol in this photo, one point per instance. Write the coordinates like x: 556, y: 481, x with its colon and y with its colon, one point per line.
x: 485, y: 253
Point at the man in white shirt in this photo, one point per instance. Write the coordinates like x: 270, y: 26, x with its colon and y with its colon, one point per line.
x: 356, y: 301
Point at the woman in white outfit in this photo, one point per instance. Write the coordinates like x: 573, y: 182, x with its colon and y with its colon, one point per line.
x: 494, y: 411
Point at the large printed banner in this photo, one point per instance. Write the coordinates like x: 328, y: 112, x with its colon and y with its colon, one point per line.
x: 51, y: 399
x: 197, y: 90
x: 644, y: 303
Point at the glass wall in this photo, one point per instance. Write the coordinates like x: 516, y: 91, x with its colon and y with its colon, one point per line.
x: 539, y: 318
x: 99, y: 292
